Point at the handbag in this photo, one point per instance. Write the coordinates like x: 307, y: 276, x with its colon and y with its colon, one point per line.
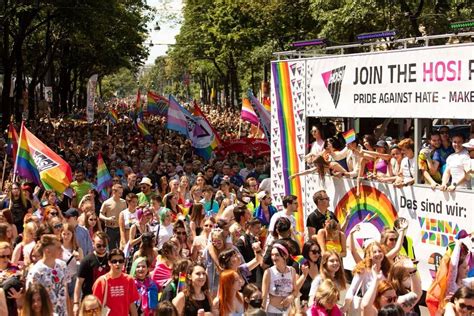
x: 105, y: 309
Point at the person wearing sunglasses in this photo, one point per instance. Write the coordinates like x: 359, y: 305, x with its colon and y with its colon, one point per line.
x: 91, y: 268
x: 379, y: 294
x: 317, y: 219
x: 461, y: 303
x: 116, y: 290
x: 90, y: 306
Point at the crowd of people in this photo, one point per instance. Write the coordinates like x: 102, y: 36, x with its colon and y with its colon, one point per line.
x: 178, y: 235
x: 444, y: 161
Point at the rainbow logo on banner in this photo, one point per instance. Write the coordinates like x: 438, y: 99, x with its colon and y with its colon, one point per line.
x: 349, y: 136
x: 372, y: 206
x: 287, y: 127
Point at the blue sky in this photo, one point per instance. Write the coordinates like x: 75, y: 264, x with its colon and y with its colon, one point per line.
x: 167, y: 33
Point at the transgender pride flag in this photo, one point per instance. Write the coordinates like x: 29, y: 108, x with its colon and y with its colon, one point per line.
x: 177, y: 117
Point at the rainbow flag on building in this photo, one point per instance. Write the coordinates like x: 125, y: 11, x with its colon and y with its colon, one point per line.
x: 37, y: 162
x: 248, y: 114
x: 156, y: 104
x: 104, y: 179
x: 12, y: 141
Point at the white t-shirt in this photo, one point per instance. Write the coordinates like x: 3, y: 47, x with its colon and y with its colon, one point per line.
x: 457, y: 163
x: 407, y: 166
x: 317, y: 147
x: 164, y: 234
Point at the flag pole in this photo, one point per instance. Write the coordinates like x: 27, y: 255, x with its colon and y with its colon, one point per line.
x: 18, y: 151
x: 3, y: 172
x: 240, y: 126
x: 107, y: 128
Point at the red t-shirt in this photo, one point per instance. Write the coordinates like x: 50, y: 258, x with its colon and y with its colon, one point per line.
x: 121, y: 292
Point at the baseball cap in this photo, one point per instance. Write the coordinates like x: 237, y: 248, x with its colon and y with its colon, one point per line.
x: 72, y: 212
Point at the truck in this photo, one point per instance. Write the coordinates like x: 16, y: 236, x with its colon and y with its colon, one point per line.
x: 407, y: 91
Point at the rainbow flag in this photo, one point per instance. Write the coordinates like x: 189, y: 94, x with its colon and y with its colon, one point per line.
x: 12, y: 141
x: 156, y: 104
x: 143, y: 130
x: 299, y: 259
x: 204, y: 145
x: 113, y: 116
x: 104, y: 179
x: 349, y: 136
x: 263, y: 115
x: 287, y: 127
x: 37, y: 162
x: 247, y: 113
x: 181, y: 281
x: 267, y: 104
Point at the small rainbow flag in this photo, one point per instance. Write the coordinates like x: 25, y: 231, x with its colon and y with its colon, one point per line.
x: 181, y: 281
x: 113, y: 116
x: 103, y: 178
x: 156, y: 104
x: 369, y: 217
x: 143, y: 130
x: 12, y: 141
x: 349, y: 136
x: 299, y: 259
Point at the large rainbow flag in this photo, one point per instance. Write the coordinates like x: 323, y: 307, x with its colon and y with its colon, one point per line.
x: 37, y: 162
x: 104, y: 179
x: 247, y: 113
x: 156, y: 104
x: 287, y: 127
x: 12, y: 141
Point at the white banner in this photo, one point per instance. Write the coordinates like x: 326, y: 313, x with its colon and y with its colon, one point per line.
x: 91, y: 91
x: 434, y: 217
x: 431, y: 82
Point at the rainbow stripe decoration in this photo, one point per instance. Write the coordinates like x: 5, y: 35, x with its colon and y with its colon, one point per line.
x: 37, y: 162
x: 181, y: 281
x: 12, y: 141
x: 369, y: 217
x: 113, y: 116
x: 299, y: 259
x: 104, y: 179
x: 287, y: 126
x: 372, y: 206
x: 156, y: 104
x: 349, y: 136
x: 248, y: 114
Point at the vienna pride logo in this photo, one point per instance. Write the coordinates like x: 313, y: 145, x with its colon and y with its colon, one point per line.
x: 333, y: 81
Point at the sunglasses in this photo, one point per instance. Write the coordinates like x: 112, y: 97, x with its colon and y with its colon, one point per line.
x: 315, y: 251
x: 58, y: 226
x: 181, y: 233
x: 391, y: 299
x: 4, y: 256
x: 467, y: 307
x: 54, y: 213
x: 322, y: 199
x: 115, y: 261
x: 392, y: 239
x: 93, y: 219
x: 99, y: 246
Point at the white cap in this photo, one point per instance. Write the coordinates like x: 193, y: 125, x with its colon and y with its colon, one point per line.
x: 469, y: 144
x: 261, y: 195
